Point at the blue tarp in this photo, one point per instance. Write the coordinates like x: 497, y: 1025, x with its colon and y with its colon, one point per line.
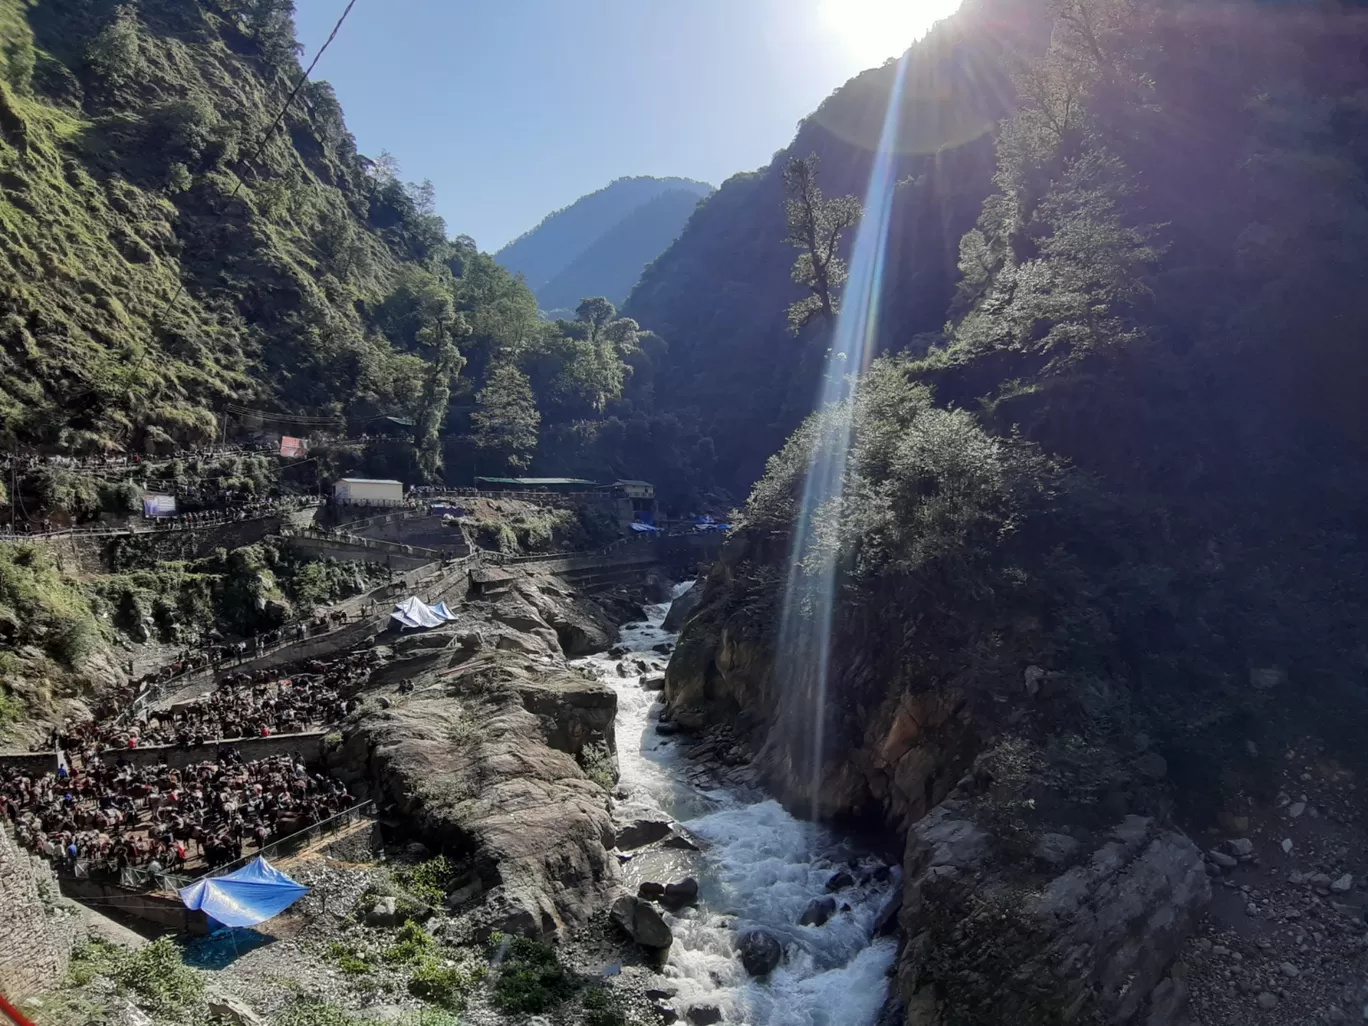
x: 246, y: 897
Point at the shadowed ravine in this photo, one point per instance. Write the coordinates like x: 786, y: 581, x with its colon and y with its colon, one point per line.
x: 760, y: 868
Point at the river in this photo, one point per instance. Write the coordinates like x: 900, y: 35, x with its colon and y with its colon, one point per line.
x: 759, y: 867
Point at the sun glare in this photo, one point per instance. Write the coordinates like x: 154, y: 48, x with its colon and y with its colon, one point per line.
x: 873, y: 30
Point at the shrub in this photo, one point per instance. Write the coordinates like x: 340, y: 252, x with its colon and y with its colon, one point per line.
x: 157, y: 973
x: 531, y: 978
x: 598, y: 764
x: 427, y: 881
x: 445, y: 985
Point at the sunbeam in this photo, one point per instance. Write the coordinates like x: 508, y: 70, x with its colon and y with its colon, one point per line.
x: 810, y: 594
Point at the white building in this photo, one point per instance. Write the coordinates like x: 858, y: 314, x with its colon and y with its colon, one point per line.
x: 365, y: 491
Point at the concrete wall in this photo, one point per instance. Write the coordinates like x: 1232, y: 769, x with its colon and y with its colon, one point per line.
x: 106, y: 553
x: 30, y: 763
x: 35, y: 936
x: 308, y: 744
x: 355, y: 552
x: 162, y: 909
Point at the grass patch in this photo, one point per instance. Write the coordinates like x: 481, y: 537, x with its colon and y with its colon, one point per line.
x: 449, y: 986
x: 604, y: 1007
x: 531, y: 977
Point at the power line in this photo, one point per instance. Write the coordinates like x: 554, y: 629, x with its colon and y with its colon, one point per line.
x: 261, y: 148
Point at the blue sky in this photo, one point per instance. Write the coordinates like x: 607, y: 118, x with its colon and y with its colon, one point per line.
x: 515, y: 108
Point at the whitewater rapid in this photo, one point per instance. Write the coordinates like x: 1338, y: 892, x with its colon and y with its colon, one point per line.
x: 760, y: 867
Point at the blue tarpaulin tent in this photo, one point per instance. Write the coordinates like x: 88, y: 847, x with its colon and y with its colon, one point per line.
x: 245, y: 897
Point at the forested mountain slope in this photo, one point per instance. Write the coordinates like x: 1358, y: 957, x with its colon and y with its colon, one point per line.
x: 719, y: 294
x: 599, y: 244
x: 1098, y: 552
x: 612, y: 264
x: 161, y: 268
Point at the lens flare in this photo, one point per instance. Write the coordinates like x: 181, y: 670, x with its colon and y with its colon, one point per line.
x: 803, y: 664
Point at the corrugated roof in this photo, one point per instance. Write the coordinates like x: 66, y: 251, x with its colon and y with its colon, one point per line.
x: 640, y: 484
x: 532, y: 481
x: 369, y: 480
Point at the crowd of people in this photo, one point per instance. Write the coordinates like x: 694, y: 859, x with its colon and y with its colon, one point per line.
x: 225, y: 508
x: 162, y: 819
x: 256, y: 704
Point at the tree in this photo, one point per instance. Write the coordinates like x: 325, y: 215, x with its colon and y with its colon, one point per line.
x: 815, y: 225
x: 507, y: 420
x: 1057, y: 265
x: 432, y: 408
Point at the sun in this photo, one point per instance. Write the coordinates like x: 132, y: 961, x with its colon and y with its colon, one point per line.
x: 873, y: 30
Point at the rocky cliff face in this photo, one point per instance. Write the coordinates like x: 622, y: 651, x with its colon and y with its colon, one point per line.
x: 498, y: 754
x: 1042, y: 882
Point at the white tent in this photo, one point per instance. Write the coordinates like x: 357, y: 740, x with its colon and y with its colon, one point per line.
x: 414, y: 612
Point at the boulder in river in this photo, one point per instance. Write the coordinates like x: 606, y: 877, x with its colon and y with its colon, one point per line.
x: 677, y: 895
x: 641, y: 832
x: 839, y: 881
x: 817, y: 913
x: 640, y: 921
x: 704, y: 1015
x: 760, y: 951
x: 653, y: 682
x: 651, y: 891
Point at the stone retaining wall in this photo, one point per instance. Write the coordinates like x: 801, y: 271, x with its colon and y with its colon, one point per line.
x: 35, y: 936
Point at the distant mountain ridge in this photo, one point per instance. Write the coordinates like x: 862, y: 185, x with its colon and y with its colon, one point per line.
x: 600, y: 244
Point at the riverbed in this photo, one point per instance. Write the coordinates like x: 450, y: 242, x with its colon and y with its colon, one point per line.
x: 759, y: 867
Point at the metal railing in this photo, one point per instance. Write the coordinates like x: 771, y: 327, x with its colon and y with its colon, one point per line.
x: 296, y: 841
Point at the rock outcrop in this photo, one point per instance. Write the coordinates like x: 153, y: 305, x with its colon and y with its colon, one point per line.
x: 682, y: 608
x: 1024, y: 900
x: 1102, y: 936
x: 486, y: 769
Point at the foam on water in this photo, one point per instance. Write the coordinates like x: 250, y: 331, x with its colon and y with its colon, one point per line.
x: 760, y: 868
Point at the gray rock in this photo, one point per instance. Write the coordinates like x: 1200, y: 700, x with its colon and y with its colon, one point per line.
x: 680, y: 841
x: 651, y: 891
x: 1269, y: 677
x: 839, y: 881
x: 665, y: 1012
x: 703, y: 1015
x: 231, y: 1008
x: 1152, y: 766
x: 760, y: 951
x: 1055, y: 849
x: 1289, y: 970
x: 1240, y: 847
x: 640, y: 921
x: 677, y: 895
x: 665, y: 728
x: 383, y: 913
x: 641, y: 832
x: 1267, y: 1001
x: 1344, y: 884
x: 1296, y: 809
x: 1223, y: 860
x: 886, y: 922
x: 817, y: 913
x: 653, y: 682
x: 1033, y: 676
x: 1287, y: 845
x: 1118, y: 918
x: 682, y: 608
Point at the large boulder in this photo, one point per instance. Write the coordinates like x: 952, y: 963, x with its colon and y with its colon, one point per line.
x: 640, y: 832
x: 581, y: 627
x: 486, y: 765
x: 682, y: 608
x: 760, y: 952
x: 818, y: 912
x: 1094, y: 943
x: 640, y: 921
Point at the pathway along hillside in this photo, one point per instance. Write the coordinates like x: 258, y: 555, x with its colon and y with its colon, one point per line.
x: 759, y: 868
